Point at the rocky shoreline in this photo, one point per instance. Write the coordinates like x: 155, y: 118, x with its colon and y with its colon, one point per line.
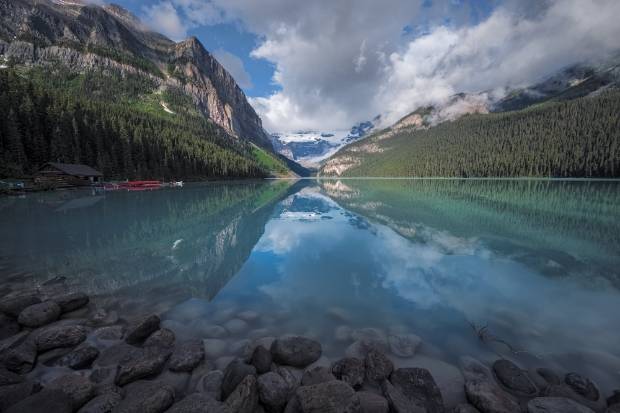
x: 60, y: 353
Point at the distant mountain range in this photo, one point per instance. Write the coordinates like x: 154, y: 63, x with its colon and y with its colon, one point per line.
x: 309, y: 148
x: 104, y: 56
x: 565, y: 125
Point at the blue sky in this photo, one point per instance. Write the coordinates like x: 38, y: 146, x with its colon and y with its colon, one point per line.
x: 326, y: 65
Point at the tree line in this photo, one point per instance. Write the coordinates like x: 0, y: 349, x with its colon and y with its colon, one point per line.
x: 113, y: 123
x: 575, y: 138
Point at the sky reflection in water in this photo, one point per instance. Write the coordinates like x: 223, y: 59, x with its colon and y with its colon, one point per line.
x: 427, y: 258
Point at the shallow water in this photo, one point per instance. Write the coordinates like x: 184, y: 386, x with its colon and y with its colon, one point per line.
x: 536, y: 263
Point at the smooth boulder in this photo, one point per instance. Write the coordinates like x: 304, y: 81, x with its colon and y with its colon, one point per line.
x: 21, y: 356
x: 104, y: 403
x: 331, y: 397
x: 146, y: 397
x: 141, y: 330
x: 45, y: 401
x: 60, y: 337
x: 76, y: 386
x: 514, y: 378
x: 378, y: 366
x: 482, y: 391
x: 273, y: 391
x: 244, y: 398
x: 71, y: 301
x: 556, y: 405
x: 350, y: 370
x: 38, y: 315
x: 234, y: 374
x: 80, y: 358
x: 316, y: 375
x: 419, y: 387
x: 147, y: 362
x: 187, y: 356
x: 582, y: 386
x: 261, y: 359
x: 295, y: 351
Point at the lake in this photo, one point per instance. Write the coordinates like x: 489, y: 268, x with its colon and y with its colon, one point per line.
x: 523, y: 269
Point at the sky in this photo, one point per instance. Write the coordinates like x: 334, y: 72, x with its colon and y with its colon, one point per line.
x: 328, y: 64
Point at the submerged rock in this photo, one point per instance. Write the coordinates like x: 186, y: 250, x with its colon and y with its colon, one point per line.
x: 162, y: 338
x: 482, y: 391
x: 614, y: 398
x: 236, y: 326
x: 144, y: 363
x: 550, y: 376
x: 514, y: 378
x: 234, y: 374
x: 140, y: 331
x: 104, y: 403
x: 295, y: 351
x: 582, y: 386
x: 419, y: 387
x: 261, y: 359
x: 556, y: 405
x: 13, y: 304
x: 198, y: 403
x: 187, y: 356
x: 465, y: 408
x: 11, y: 394
x: 146, y: 397
x: 60, y: 336
x: 38, y: 315
x: 45, y: 401
x: 378, y: 366
x: 317, y: 375
x: 77, y: 387
x: 372, y: 403
x: 21, y: 355
x: 71, y: 301
x: 211, y: 384
x: 404, y: 345
x: 8, y: 326
x: 80, y: 358
x: 331, y: 397
x: 8, y: 377
x: 244, y: 398
x: 350, y: 370
x: 273, y: 391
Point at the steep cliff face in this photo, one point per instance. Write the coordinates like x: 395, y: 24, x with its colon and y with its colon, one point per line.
x: 85, y: 37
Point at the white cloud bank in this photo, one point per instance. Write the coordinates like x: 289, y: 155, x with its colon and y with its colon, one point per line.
x: 338, y: 63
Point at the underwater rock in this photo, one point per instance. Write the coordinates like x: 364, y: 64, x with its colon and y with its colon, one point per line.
x: 234, y: 374
x: 295, y: 351
x: 556, y: 405
x: 350, y: 370
x: 187, y: 356
x: 514, y: 378
x: 38, y: 315
x: 317, y: 375
x: 140, y: 331
x: 378, y: 366
x: 261, y: 360
x: 80, y: 358
x: 273, y: 391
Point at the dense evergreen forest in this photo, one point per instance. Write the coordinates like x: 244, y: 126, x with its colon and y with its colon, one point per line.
x: 113, y: 122
x: 576, y: 138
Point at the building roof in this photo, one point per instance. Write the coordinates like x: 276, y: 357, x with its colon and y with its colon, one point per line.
x: 75, y: 169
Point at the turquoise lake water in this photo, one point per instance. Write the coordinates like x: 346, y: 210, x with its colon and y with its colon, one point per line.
x: 537, y: 263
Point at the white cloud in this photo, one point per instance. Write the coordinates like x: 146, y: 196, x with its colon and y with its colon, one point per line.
x: 338, y: 63
x: 235, y: 67
x: 164, y: 18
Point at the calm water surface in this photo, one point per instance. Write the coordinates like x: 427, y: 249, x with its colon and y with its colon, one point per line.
x: 536, y: 262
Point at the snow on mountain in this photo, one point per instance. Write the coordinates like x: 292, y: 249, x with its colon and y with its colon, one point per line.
x: 309, y: 148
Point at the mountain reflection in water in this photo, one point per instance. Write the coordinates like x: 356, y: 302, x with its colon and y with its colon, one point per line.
x: 535, y: 261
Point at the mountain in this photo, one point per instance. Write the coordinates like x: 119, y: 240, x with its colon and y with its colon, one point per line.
x: 565, y: 126
x: 309, y: 148
x: 103, y: 56
x: 573, y: 82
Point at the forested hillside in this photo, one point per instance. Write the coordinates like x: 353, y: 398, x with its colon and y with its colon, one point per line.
x: 576, y: 138
x: 116, y: 124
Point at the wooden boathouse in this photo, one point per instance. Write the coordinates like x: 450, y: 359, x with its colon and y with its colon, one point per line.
x: 66, y: 175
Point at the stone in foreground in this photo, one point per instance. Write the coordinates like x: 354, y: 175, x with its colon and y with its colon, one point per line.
x: 45, y: 401
x: 103, y: 403
x: 482, y: 391
x: 273, y: 391
x: 187, y: 356
x: 38, y: 315
x: 556, y: 405
x: 295, y: 351
x: 234, y: 374
x: 244, y: 399
x: 350, y: 370
x: 514, y: 378
x: 199, y: 403
x: 60, y: 336
x: 142, y: 329
x: 80, y: 358
x: 331, y: 397
x: 146, y: 397
x: 419, y: 387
